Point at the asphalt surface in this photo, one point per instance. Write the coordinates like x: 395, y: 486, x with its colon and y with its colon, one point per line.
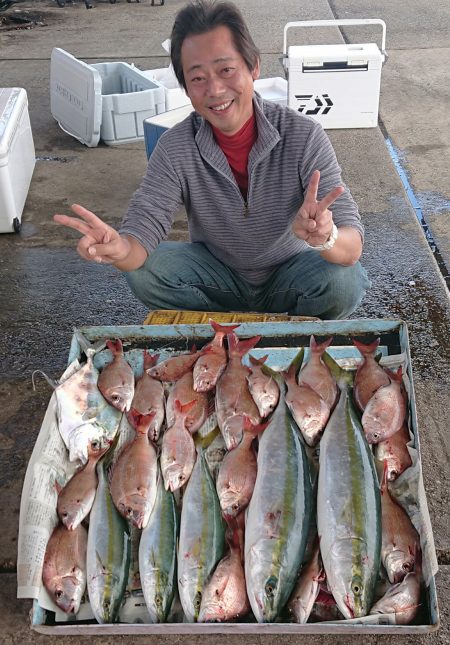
x: 46, y: 289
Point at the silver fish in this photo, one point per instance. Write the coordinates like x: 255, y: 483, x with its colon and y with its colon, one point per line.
x: 108, y: 553
x: 202, y: 535
x: 84, y: 416
x: 278, y: 516
x: 158, y: 555
x: 348, y: 509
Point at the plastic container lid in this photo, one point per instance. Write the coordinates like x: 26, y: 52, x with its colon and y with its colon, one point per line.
x: 12, y: 102
x: 76, y: 97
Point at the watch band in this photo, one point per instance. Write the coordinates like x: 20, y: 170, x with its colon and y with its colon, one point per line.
x: 329, y: 243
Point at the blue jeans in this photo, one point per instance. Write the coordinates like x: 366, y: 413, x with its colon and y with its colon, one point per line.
x: 182, y: 275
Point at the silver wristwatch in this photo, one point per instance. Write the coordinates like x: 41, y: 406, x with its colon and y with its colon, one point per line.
x: 329, y: 243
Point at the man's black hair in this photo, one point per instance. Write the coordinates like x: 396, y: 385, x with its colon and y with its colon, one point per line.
x: 202, y: 16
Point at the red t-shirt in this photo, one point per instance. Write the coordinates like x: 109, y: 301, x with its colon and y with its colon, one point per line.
x: 236, y: 149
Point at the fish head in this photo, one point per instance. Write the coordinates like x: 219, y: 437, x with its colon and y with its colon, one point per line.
x: 72, y: 514
x: 67, y: 592
x: 232, y: 502
x: 232, y: 430
x: 120, y: 396
x: 158, y: 593
x: 398, y: 563
x: 350, y: 577
x: 174, y: 475
x: 205, y: 374
x: 375, y: 435
x: 267, y: 599
x: 135, y: 508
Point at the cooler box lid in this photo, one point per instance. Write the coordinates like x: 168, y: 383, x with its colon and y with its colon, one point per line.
x: 316, y: 56
x: 12, y: 103
x: 76, y: 97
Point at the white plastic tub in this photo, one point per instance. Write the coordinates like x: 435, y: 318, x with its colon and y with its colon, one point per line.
x: 17, y: 157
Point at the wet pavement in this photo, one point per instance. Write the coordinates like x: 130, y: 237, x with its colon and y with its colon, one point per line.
x: 46, y: 289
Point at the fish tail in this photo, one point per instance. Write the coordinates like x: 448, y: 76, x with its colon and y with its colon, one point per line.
x: 241, y: 347
x: 183, y: 408
x: 319, y: 348
x: 223, y: 329
x: 253, y: 428
x: 149, y: 360
x: 115, y: 346
x: 258, y: 361
x: 366, y: 350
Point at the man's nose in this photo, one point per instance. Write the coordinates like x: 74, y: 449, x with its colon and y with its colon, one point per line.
x: 216, y: 87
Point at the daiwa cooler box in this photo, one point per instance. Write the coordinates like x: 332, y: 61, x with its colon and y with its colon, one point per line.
x: 107, y: 101
x: 17, y: 158
x: 337, y: 85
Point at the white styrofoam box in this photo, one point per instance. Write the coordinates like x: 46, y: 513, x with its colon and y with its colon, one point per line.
x: 272, y: 89
x: 155, y: 126
x: 175, y: 95
x: 17, y: 157
x: 337, y: 85
x: 107, y: 101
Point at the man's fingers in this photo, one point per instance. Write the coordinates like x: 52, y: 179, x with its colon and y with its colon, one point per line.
x: 330, y: 198
x: 88, y: 216
x: 73, y: 222
x: 313, y: 186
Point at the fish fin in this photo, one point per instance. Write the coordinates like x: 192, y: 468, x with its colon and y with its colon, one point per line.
x: 296, y: 362
x: 396, y: 376
x: 366, y: 349
x: 115, y: 347
x: 183, y: 408
x: 342, y: 376
x: 319, y: 348
x: 223, y: 329
x: 87, y: 347
x: 58, y: 486
x: 254, y: 428
x: 149, y: 360
x: 241, y: 347
x: 384, y: 478
x: 194, y: 349
x: 258, y: 361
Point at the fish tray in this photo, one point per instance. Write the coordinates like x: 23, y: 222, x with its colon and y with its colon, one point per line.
x: 281, y: 341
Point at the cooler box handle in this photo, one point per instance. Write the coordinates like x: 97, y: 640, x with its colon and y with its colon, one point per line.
x: 337, y: 23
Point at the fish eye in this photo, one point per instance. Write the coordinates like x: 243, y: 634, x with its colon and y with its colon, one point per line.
x: 65, y: 514
x: 270, y: 586
x: 406, y: 566
x: 181, y: 477
x: 375, y: 435
x: 356, y: 585
x: 59, y: 593
x: 158, y: 600
x: 197, y: 600
x: 235, y: 507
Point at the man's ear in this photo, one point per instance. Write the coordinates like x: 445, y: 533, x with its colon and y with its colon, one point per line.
x: 256, y: 71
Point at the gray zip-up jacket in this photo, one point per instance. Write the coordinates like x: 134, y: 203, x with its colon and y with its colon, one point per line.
x: 251, y: 236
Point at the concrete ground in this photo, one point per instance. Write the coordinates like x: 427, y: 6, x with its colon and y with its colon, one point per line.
x: 46, y: 289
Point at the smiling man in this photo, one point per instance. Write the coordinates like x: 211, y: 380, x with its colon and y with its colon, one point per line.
x: 272, y: 227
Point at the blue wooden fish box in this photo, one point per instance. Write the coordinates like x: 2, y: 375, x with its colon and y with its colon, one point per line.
x: 281, y: 341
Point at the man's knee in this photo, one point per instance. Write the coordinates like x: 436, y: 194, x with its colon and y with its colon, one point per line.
x: 346, y: 287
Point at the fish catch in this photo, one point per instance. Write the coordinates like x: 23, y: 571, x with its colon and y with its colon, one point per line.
x: 307, y: 587
x: 385, y: 413
x: 348, y: 508
x: 401, y: 599
x: 400, y: 542
x: 278, y: 516
x: 317, y: 375
x: 394, y: 451
x: 175, y: 367
x: 133, y: 479
x: 225, y: 595
x: 108, y: 553
x: 237, y: 473
x: 263, y: 387
x: 148, y: 399
x: 116, y: 380
x: 233, y: 399
x: 370, y: 376
x: 210, y: 366
x: 64, y: 568
x: 158, y: 555
x: 178, y: 450
x: 309, y: 410
x: 183, y: 391
x: 201, y: 541
x: 84, y: 416
x: 76, y: 498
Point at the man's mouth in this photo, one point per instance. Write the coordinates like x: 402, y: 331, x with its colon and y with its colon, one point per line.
x: 221, y: 107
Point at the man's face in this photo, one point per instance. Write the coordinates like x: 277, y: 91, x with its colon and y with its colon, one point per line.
x: 218, y: 81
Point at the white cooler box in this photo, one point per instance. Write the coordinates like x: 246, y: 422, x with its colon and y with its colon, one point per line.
x: 107, y: 101
x: 175, y: 95
x: 17, y: 157
x: 337, y: 85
